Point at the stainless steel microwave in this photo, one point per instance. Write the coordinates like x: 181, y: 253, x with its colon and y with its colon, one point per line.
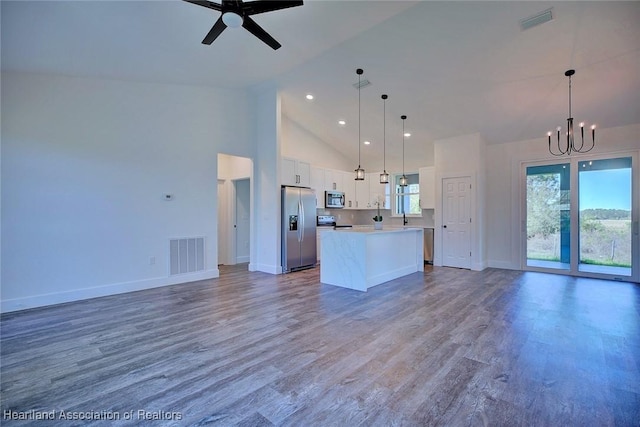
x: 334, y: 199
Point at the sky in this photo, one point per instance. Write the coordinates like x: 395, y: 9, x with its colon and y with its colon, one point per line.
x: 609, y: 189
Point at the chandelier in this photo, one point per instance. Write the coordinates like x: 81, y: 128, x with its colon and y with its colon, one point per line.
x: 569, y: 146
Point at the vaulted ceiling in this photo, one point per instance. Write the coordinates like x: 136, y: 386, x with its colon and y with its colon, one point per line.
x: 453, y: 68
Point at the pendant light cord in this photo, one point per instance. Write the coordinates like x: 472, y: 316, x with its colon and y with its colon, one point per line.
x: 359, y: 121
x: 403, y: 117
x: 384, y: 134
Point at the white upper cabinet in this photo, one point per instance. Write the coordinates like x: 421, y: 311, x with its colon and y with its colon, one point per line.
x: 295, y: 172
x: 349, y: 188
x: 379, y: 192
x: 363, y: 199
x: 427, y: 187
x: 357, y: 194
x: 317, y: 183
x: 333, y: 180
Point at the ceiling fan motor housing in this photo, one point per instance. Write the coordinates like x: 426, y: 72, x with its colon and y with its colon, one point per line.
x: 236, y: 13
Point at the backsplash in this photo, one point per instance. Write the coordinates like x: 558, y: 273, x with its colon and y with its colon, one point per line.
x: 365, y: 217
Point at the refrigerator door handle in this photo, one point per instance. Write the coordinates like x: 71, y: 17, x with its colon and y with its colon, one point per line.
x: 302, y: 217
x: 300, y: 221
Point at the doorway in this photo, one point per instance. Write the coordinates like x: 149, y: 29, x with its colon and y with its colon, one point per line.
x: 242, y: 222
x: 456, y: 222
x: 581, y: 217
x: 235, y: 210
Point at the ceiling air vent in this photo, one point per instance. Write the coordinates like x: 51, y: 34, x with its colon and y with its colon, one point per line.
x: 537, y: 19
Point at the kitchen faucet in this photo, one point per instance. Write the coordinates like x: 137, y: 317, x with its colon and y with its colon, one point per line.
x: 404, y: 219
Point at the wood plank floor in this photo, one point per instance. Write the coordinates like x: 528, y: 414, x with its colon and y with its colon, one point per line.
x: 444, y: 347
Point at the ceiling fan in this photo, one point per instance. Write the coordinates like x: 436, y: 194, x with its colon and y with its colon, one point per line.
x: 238, y: 12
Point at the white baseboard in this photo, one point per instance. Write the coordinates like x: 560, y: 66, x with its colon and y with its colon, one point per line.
x: 266, y: 268
x: 479, y: 266
x: 506, y: 265
x: 101, y: 291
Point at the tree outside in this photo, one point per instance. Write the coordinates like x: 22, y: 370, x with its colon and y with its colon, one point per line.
x: 605, y: 234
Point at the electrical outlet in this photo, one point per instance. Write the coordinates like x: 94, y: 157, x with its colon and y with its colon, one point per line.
x: 152, y: 260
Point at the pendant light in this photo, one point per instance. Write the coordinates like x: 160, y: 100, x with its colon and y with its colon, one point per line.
x: 570, y: 146
x: 359, y: 171
x: 403, y: 180
x: 384, y: 176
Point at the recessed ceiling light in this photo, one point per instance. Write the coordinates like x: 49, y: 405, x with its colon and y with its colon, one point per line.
x: 367, y: 142
x: 407, y: 134
x: 309, y: 96
x: 342, y: 122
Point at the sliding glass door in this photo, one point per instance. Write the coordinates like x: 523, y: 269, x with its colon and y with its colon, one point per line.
x: 580, y: 217
x: 605, y: 216
x: 548, y: 216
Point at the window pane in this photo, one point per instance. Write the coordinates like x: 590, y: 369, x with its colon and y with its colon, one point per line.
x: 605, y: 216
x: 548, y: 218
x: 408, y: 204
x: 407, y: 200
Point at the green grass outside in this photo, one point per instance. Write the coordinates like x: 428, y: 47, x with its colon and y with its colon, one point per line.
x: 604, y: 262
x: 541, y: 257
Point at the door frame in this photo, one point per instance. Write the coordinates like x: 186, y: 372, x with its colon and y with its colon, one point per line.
x: 233, y: 167
x: 476, y: 231
x: 574, y: 215
x: 223, y: 222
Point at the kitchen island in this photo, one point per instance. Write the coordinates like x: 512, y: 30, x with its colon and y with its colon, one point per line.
x: 360, y: 258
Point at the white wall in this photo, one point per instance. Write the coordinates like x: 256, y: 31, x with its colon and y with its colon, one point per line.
x: 299, y: 143
x: 85, y: 165
x: 234, y: 167
x: 265, y: 120
x: 458, y: 157
x: 504, y: 163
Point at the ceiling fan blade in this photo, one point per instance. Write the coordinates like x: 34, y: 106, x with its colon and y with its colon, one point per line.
x: 207, y: 4
x: 255, y: 7
x: 255, y: 29
x: 215, y: 31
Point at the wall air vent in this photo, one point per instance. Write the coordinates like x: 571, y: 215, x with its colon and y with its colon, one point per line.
x: 186, y: 255
x: 537, y: 19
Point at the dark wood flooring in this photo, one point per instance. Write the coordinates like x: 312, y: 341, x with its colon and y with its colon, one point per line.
x: 444, y: 347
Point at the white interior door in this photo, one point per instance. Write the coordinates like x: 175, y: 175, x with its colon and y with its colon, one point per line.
x: 242, y: 220
x: 456, y: 222
x: 222, y: 222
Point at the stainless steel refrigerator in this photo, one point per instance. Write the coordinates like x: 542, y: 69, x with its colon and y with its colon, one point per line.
x: 298, y: 228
